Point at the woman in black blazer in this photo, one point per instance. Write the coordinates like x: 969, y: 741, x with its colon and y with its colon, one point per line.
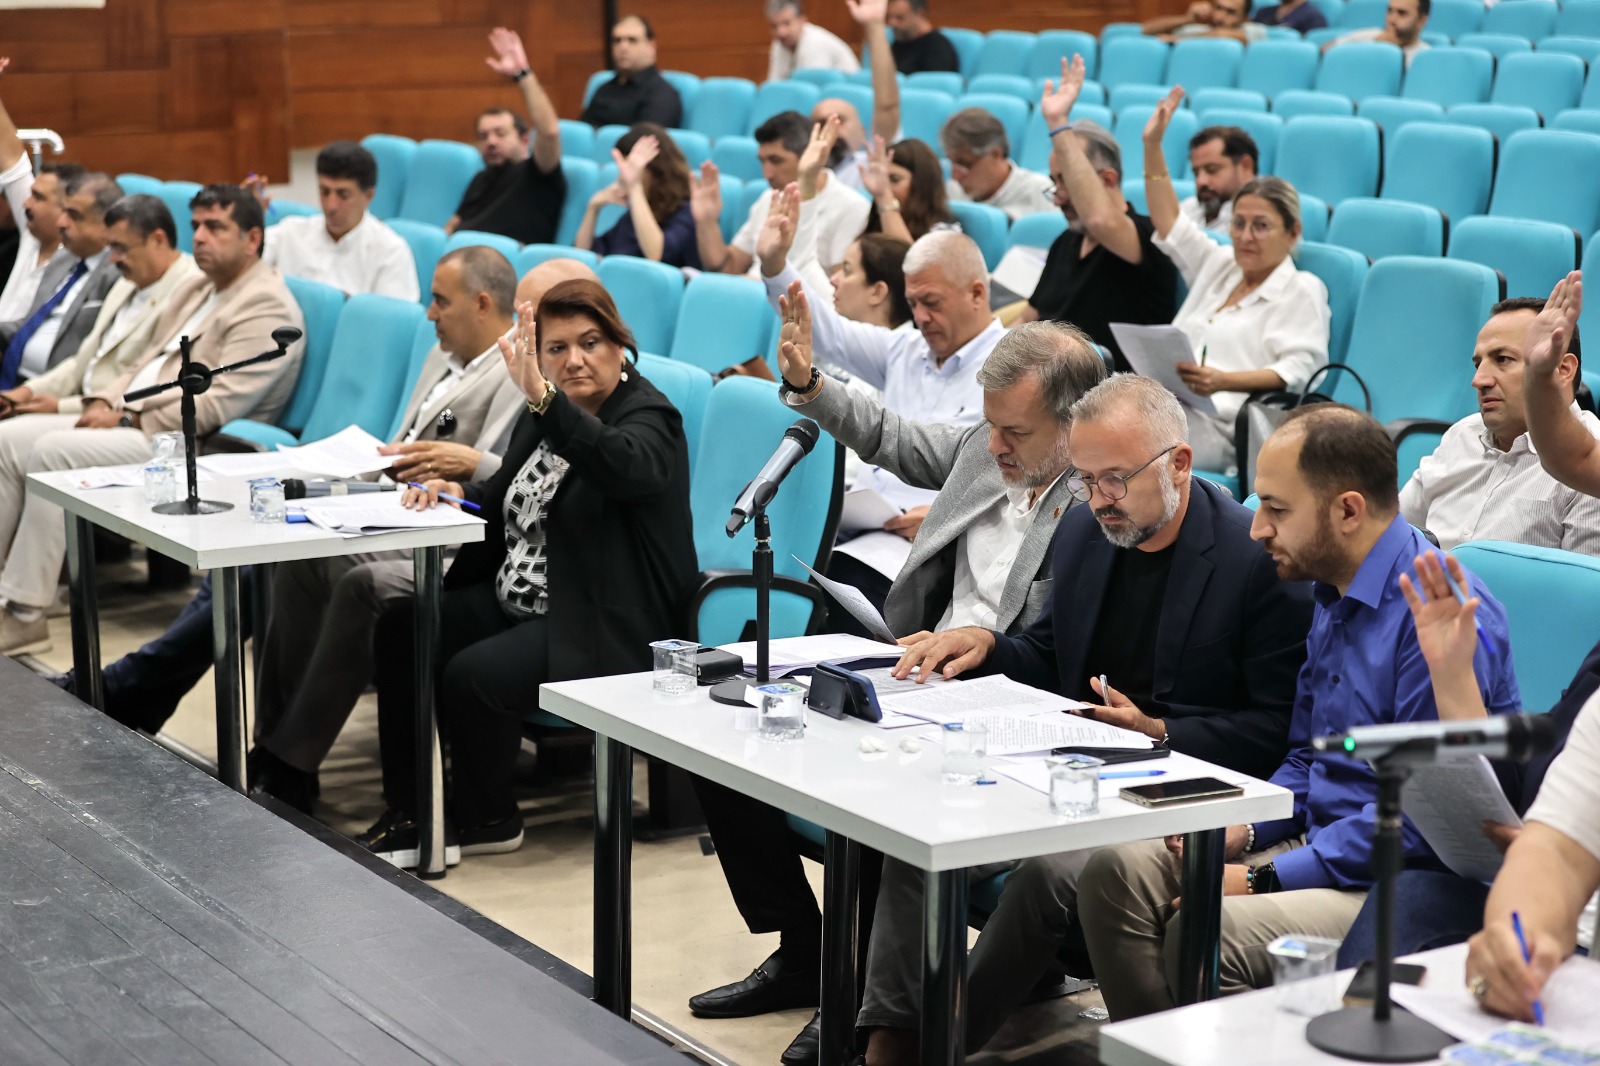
x: 587, y: 558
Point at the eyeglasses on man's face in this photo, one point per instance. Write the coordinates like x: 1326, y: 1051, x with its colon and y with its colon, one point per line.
x: 1113, y: 487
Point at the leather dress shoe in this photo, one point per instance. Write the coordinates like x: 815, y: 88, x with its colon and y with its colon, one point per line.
x: 805, y: 1049
x: 772, y: 986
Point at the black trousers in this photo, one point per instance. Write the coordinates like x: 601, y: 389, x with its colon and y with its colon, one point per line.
x: 491, y: 673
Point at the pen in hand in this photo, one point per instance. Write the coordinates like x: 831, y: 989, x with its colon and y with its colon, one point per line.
x: 1461, y: 597
x: 468, y: 504
x: 1527, y: 957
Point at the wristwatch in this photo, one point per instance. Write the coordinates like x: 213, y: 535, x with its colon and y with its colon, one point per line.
x: 1260, y: 880
x: 542, y: 404
x: 126, y: 421
x: 523, y: 73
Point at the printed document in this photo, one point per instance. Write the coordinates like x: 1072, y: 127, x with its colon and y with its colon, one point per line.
x: 852, y: 600
x: 1449, y: 803
x: 786, y: 655
x: 1155, y: 352
x: 865, y: 509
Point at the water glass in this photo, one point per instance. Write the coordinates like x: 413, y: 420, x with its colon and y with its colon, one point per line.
x: 160, y: 482
x: 965, y: 745
x: 783, y: 713
x: 1074, y: 785
x: 1303, y: 969
x: 167, y: 445
x: 266, y: 501
x: 676, y: 667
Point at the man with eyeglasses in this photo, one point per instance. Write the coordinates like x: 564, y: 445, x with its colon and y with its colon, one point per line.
x: 1158, y: 588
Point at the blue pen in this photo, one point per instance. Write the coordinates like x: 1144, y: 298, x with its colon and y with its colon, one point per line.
x: 1132, y: 773
x: 1527, y: 956
x: 1461, y: 597
x: 468, y: 504
x: 294, y: 516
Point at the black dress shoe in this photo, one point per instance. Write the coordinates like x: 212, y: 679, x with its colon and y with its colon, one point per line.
x: 273, y: 777
x: 772, y: 986
x: 805, y: 1049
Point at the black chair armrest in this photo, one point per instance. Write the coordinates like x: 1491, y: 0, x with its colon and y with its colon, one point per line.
x: 1401, y: 428
x: 709, y: 581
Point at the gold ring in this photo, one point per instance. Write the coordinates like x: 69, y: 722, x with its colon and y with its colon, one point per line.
x: 1479, y: 987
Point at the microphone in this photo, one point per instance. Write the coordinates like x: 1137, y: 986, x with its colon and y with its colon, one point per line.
x: 1517, y: 737
x: 295, y: 489
x: 798, y: 440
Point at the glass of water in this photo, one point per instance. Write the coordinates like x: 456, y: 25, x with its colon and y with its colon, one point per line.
x: 1074, y: 785
x: 1303, y: 971
x: 161, y: 471
x: 266, y: 501
x: 783, y: 713
x: 676, y: 667
x: 965, y: 745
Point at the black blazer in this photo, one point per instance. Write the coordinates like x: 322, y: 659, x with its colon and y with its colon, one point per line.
x: 621, y: 541
x: 1229, y: 645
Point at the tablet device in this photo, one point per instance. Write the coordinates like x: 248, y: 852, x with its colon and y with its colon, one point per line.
x: 837, y: 692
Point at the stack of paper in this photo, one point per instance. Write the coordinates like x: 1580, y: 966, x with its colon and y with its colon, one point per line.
x: 786, y: 655
x: 348, y: 453
x: 355, y: 516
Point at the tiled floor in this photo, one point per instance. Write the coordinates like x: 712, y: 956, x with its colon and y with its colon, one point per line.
x: 688, y: 936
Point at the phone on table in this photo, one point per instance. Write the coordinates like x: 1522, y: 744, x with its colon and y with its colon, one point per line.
x: 837, y: 692
x: 1114, y: 755
x: 1364, y: 985
x: 1166, y: 793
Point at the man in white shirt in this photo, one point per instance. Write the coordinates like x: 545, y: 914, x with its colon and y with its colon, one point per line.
x: 848, y: 160
x: 799, y: 43
x: 1402, y: 26
x: 981, y: 169
x: 36, y: 206
x: 1485, y: 481
x: 347, y: 246
x: 1224, y: 159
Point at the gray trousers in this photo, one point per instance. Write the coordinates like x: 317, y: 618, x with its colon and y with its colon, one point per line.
x: 1016, y: 947
x: 316, y: 654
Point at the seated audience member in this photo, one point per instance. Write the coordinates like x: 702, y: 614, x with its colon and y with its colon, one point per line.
x: 981, y: 169
x: 1158, y: 562
x: 849, y: 159
x: 791, y: 151
x: 1224, y: 160
x: 1300, y: 15
x: 798, y: 43
x: 229, y: 313
x: 1566, y: 448
x: 346, y: 246
x: 653, y: 184
x: 521, y: 188
x: 1105, y: 268
x: 638, y: 93
x: 982, y: 558
x: 72, y: 290
x: 917, y: 45
x: 1329, y: 513
x: 141, y: 240
x: 1208, y: 18
x: 35, y: 204
x: 1484, y: 481
x: 930, y: 375
x: 1256, y: 322
x: 869, y: 285
x: 587, y: 559
x: 1402, y: 26
x: 906, y: 184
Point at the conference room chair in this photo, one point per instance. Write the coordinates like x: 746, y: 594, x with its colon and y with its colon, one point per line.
x: 1362, y: 69
x: 1013, y: 85
x: 1272, y: 67
x: 1590, y: 100
x: 1050, y: 47
x: 1034, y: 153
x: 1266, y: 129
x: 821, y: 77
x: 1585, y: 48
x: 696, y: 147
x: 1113, y: 30
x: 321, y: 306
x: 1331, y: 157
x: 688, y: 387
x: 1445, y: 166
x: 647, y: 295
x: 1324, y: 36
x: 1552, y: 175
x: 577, y: 138
x: 177, y: 196
x: 1007, y: 52
x: 774, y: 97
x: 736, y: 200
x: 139, y: 185
x: 1548, y: 82
x: 1012, y: 112
x: 1122, y: 97
x: 1133, y: 192
x: 987, y: 226
x: 1129, y: 132
x: 466, y: 238
x: 1132, y: 60
x: 1552, y: 603
x: 1314, y: 216
x: 1589, y: 317
x: 602, y: 140
x: 1205, y: 63
x: 1450, y: 76
x: 1038, y: 230
x: 1498, y: 45
x: 737, y: 157
x: 583, y: 181
x: 1577, y: 20
x: 949, y: 82
x: 1342, y: 270
x: 968, y: 45
x: 687, y: 84
x: 280, y: 209
x: 1453, y: 18
x: 1091, y: 93
x: 923, y: 114
x: 1298, y: 103
x: 422, y: 342
x: 1392, y: 113
x: 1382, y: 228
x: 1502, y: 120
x: 723, y: 320
x: 427, y: 245
x: 1577, y: 120
x: 534, y: 254
x: 1219, y: 98
x: 722, y: 107
x: 1530, y: 19
x: 1532, y: 255
x: 1361, y: 15
x: 394, y: 155
x: 439, y: 174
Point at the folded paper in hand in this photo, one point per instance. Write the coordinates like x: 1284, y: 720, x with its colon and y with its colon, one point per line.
x: 1155, y: 352
x: 852, y: 600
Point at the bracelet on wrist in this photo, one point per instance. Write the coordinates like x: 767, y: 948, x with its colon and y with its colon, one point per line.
x: 1158, y: 177
x: 525, y: 72
x: 1063, y: 128
x: 1249, y: 839
x: 804, y: 392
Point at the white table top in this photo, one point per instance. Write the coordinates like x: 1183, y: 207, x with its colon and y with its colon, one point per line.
x: 206, y: 542
x: 890, y: 801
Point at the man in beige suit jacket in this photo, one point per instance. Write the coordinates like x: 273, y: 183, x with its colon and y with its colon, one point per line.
x: 229, y: 314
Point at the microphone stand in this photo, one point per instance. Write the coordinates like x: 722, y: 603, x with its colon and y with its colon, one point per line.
x: 195, y: 378
x: 732, y: 692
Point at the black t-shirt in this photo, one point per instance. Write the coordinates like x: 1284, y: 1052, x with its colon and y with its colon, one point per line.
x: 10, y: 238
x: 1124, y: 643
x: 931, y: 51
x: 1093, y: 292
x: 645, y: 97
x: 515, y: 199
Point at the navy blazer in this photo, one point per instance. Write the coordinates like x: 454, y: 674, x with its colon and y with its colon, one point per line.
x: 1229, y: 644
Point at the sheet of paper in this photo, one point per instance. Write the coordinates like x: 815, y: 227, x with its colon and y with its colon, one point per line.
x: 247, y: 464
x: 1019, y: 269
x: 342, y: 517
x: 788, y: 654
x: 852, y: 600
x: 884, y: 552
x: 1013, y: 734
x: 865, y: 509
x: 1568, y: 998
x: 980, y: 697
x: 347, y: 453
x: 1449, y: 803
x: 1033, y: 772
x: 110, y: 477
x: 1155, y: 352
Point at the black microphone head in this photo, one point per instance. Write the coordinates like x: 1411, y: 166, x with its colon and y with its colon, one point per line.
x: 284, y: 336
x: 294, y: 488
x: 1530, y: 735
x: 804, y: 433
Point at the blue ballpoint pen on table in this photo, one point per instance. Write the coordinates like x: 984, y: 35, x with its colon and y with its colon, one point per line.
x: 468, y: 504
x: 1119, y: 774
x: 1461, y: 597
x: 1527, y: 956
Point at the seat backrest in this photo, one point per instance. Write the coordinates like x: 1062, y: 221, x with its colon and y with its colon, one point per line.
x: 738, y: 157
x: 1577, y: 20
x: 696, y: 147
x: 1012, y: 113
x: 1532, y: 255
x: 1362, y: 14
x: 1342, y: 270
x: 1589, y: 317
x: 1447, y: 167
x: 1298, y: 103
x: 688, y: 387
x: 1264, y: 129
x: 1585, y: 48
x: 1141, y: 60
x: 647, y: 295
x: 1548, y: 82
x: 422, y: 343
x: 1006, y: 85
x: 394, y: 155
x: 440, y: 172
x: 1052, y: 46
x: 949, y: 82
x: 1314, y: 215
x: 139, y: 185
x: 427, y: 245
x: 1393, y: 112
x: 320, y: 305
x: 821, y: 77
x: 1450, y: 76
x: 282, y: 209
x: 723, y: 320
x: 1590, y: 100
x: 986, y: 225
x: 1130, y: 95
x: 1331, y: 157
x: 1213, y: 99
x: 774, y: 97
x: 968, y: 45
x: 365, y: 381
x: 1454, y: 18
x: 1006, y: 52
x: 1552, y: 604
x: 1552, y: 175
x: 1382, y: 228
x: 1037, y: 230
x: 1577, y: 120
x: 534, y: 254
x: 577, y: 138
x: 466, y: 238
x: 1502, y: 120
x: 1498, y: 45
x: 1272, y: 66
x: 923, y: 114
x: 1205, y: 63
x: 722, y: 107
x: 1129, y: 132
x: 1362, y: 69
x: 687, y: 84
x: 1531, y: 19
x: 177, y: 195
x: 602, y: 141
x: 583, y: 181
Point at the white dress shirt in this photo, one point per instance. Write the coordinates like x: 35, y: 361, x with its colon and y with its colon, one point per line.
x: 36, y: 353
x: 16, y: 299
x: 1469, y: 489
x: 370, y: 258
x: 1282, y: 326
x: 1024, y: 192
x: 989, y: 547
x: 818, y: 47
x: 1222, y: 224
x: 829, y: 223
x: 454, y: 372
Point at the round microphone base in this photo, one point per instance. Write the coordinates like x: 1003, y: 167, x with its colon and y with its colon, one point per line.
x: 192, y: 507
x: 1353, y: 1033
x: 732, y: 692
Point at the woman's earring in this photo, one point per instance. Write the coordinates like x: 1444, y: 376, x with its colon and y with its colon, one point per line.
x: 624, y: 373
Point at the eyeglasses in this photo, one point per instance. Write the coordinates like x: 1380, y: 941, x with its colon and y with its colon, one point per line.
x: 1112, y: 486
x: 1258, y: 228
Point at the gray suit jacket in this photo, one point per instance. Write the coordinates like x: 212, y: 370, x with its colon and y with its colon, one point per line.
x: 485, y: 403
x: 83, y: 304
x: 955, y: 461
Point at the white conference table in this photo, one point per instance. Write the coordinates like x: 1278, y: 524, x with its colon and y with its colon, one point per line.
x: 890, y: 801
x: 222, y: 543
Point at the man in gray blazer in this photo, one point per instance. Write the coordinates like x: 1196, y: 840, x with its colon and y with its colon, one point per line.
x: 982, y: 557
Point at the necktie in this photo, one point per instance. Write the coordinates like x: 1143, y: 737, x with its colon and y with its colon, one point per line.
x: 13, y: 358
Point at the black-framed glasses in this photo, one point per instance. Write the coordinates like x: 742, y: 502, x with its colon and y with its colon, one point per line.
x: 1112, y: 486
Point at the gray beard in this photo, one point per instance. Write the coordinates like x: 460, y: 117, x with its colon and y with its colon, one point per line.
x: 1134, y: 536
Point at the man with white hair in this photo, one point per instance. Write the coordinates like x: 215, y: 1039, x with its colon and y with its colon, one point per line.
x: 849, y: 161
x: 1159, y: 563
x: 798, y: 43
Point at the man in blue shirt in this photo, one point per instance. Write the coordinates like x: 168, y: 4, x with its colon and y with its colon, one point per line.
x: 1329, y: 513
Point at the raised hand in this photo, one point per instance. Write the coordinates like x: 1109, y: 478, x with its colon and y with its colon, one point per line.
x: 631, y: 169
x: 824, y: 135
x: 875, y: 178
x: 777, y: 235
x: 5, y: 61
x: 1552, y: 328
x: 509, y: 55
x: 1155, y: 126
x: 521, y: 354
x: 868, y: 12
x: 1447, y: 630
x: 257, y: 184
x: 608, y: 195
x: 794, y: 348
x: 705, y: 193
x: 1055, y: 104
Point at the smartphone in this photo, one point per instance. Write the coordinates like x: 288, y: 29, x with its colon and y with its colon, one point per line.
x: 1115, y: 755
x: 837, y: 692
x: 1364, y: 985
x: 1169, y: 792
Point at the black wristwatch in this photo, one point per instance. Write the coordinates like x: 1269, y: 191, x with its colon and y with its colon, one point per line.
x: 785, y: 390
x: 523, y: 73
x: 1263, y: 879
x: 126, y: 421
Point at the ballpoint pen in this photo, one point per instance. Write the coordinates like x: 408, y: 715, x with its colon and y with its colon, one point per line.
x: 1527, y: 957
x: 468, y: 504
x: 1461, y: 597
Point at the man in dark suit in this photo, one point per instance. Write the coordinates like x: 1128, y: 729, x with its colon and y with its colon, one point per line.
x: 1159, y: 590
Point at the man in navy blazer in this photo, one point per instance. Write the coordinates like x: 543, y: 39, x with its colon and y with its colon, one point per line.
x: 1158, y: 588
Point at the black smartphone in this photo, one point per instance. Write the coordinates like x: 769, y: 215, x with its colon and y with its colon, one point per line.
x: 837, y: 692
x: 1187, y: 791
x: 1115, y: 755
x: 1364, y: 985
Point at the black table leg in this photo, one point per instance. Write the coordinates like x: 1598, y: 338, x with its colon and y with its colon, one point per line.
x: 228, y: 665
x: 841, y: 883
x: 86, y: 678
x: 613, y: 875
x: 944, y: 968
x: 428, y: 571
x: 1200, y: 949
